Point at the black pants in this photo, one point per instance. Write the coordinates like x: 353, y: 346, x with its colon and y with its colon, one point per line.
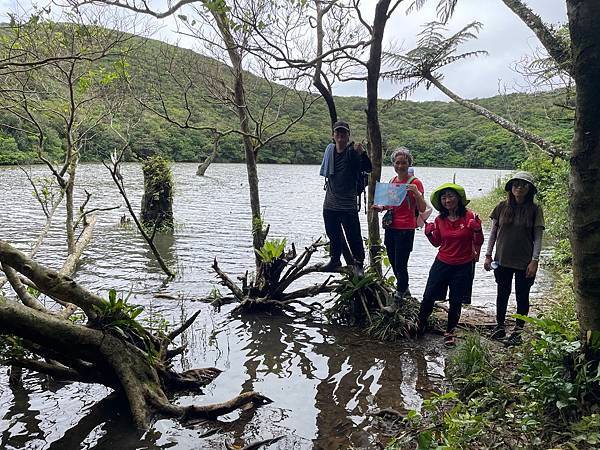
x: 458, y: 278
x: 348, y: 220
x: 399, y: 244
x: 504, y: 276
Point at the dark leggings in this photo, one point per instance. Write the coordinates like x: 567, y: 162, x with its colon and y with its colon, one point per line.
x: 399, y: 244
x: 504, y: 276
x: 441, y: 275
x: 348, y: 220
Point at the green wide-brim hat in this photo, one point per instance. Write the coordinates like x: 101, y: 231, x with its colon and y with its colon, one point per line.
x: 437, y: 193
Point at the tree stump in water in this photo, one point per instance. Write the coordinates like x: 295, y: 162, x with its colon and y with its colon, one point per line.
x: 157, y: 201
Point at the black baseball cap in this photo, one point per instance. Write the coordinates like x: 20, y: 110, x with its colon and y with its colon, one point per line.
x: 341, y: 124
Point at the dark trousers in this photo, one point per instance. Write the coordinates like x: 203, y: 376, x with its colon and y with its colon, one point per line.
x: 338, y: 223
x: 458, y: 278
x: 504, y: 276
x: 399, y: 244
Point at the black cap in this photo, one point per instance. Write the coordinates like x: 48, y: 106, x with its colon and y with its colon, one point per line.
x: 341, y: 124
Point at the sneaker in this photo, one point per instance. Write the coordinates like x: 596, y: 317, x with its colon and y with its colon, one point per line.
x: 359, y: 270
x: 331, y: 266
x: 449, y: 339
x: 399, y: 295
x: 499, y: 332
x: 514, y: 339
x: 390, y: 309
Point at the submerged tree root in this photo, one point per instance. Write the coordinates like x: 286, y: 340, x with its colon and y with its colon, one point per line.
x: 268, y: 290
x: 112, y: 348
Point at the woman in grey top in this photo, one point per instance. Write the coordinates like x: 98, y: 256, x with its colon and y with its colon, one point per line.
x: 517, y: 228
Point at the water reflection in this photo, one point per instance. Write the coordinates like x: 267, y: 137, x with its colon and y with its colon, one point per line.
x: 322, y: 379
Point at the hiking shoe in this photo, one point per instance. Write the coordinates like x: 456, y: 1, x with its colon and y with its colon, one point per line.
x: 399, y: 295
x: 391, y: 309
x: 331, y: 266
x: 514, y: 339
x: 359, y: 270
x: 449, y: 339
x: 499, y: 332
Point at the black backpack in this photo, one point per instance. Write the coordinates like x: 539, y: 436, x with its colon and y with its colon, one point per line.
x: 362, y: 181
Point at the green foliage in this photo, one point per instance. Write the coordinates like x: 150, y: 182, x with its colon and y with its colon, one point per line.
x: 119, y: 317
x: 271, y: 250
x: 159, y: 175
x: 471, y: 366
x: 438, y: 133
x: 545, y: 397
x: 400, y: 324
x: 357, y: 297
x: 11, y: 347
x: 556, y: 373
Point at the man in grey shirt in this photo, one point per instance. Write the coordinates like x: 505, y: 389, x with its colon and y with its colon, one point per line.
x: 342, y: 164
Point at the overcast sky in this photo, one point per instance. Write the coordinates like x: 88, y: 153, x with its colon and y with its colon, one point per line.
x: 503, y: 35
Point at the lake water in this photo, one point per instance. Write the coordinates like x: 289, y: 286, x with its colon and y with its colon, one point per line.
x: 323, y: 379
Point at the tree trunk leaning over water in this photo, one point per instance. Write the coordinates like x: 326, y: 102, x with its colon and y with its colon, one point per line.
x: 112, y: 348
x: 115, y: 173
x: 210, y: 158
x: 584, y: 189
x: 547, y: 146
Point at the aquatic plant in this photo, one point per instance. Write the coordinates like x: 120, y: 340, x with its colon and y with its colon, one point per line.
x: 400, y: 324
x: 271, y: 250
x: 357, y: 298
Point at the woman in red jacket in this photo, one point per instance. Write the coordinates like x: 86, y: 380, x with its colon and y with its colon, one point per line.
x: 457, y: 232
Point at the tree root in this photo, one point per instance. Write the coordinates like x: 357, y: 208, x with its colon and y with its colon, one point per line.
x: 114, y: 351
x: 268, y: 290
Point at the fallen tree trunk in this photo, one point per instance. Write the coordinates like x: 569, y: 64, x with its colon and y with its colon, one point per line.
x: 112, y: 348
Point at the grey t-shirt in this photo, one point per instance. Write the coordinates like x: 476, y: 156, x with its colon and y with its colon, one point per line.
x: 341, y: 186
x: 514, y: 243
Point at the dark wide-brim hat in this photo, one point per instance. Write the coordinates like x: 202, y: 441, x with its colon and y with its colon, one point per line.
x: 525, y: 176
x: 437, y: 193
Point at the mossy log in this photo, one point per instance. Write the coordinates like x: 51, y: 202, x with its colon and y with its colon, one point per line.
x: 135, y: 363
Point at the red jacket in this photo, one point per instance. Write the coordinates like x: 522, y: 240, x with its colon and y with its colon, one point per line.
x: 459, y: 241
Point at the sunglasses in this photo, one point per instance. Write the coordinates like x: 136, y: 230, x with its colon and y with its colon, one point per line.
x: 520, y: 183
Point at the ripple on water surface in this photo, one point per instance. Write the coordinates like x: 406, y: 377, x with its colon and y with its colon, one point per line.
x: 323, y: 379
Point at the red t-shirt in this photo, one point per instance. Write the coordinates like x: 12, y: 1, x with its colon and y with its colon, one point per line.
x: 458, y: 243
x: 403, y: 216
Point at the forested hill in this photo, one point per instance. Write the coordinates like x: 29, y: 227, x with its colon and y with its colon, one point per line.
x: 438, y: 133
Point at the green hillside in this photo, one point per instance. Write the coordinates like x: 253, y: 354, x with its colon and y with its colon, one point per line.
x: 439, y: 133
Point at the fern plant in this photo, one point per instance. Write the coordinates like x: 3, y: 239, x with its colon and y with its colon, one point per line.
x: 271, y: 250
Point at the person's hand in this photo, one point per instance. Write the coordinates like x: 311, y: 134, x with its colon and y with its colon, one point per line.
x: 377, y: 208
x: 487, y: 264
x: 474, y: 224
x: 413, y: 188
x: 429, y: 228
x: 359, y: 148
x: 531, y: 270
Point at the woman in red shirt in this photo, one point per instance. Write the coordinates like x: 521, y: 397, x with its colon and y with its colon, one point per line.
x: 400, y: 234
x: 457, y: 233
